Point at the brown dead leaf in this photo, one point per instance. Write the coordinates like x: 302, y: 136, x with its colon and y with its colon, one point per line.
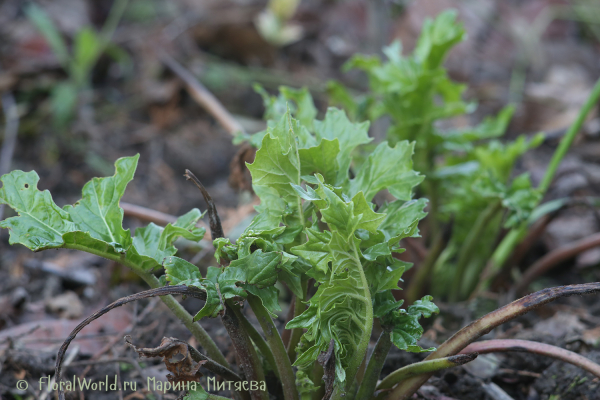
x: 176, y: 356
x: 240, y: 178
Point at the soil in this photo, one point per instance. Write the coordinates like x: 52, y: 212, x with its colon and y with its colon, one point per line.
x: 141, y: 107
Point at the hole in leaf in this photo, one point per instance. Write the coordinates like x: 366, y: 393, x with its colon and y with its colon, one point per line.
x: 27, y: 186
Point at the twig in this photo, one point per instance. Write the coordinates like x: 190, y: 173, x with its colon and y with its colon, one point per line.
x: 163, y: 291
x: 555, y: 257
x: 506, y: 345
x: 11, y: 116
x: 202, y: 95
x: 485, y: 324
x: 160, y: 218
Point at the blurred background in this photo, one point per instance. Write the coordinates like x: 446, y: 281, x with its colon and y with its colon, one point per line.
x: 84, y: 82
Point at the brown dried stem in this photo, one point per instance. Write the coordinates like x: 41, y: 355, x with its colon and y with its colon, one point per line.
x: 506, y: 345
x: 163, y: 291
x: 485, y: 324
x: 216, y: 229
x: 202, y: 95
x: 554, y: 258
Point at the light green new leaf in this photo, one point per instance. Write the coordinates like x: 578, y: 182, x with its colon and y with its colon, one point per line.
x: 98, y: 211
x: 93, y: 224
x: 260, y: 268
x: 86, y: 50
x: 316, y: 251
x: 338, y: 214
x: 385, y: 274
x: 437, y: 38
x: 321, y: 159
x: 306, y: 111
x: 350, y: 135
x: 403, y: 325
x: 40, y: 223
x: 369, y: 219
x: 181, y: 272
x: 402, y: 218
x: 387, y: 168
x: 276, y: 163
x: 157, y: 242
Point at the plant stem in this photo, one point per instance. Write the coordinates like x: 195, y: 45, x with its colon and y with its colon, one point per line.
x: 568, y: 139
x: 485, y: 324
x: 213, y: 366
x: 504, y: 345
x: 246, y: 355
x: 194, y: 327
x: 424, y: 270
x: 424, y: 367
x: 374, y: 367
x: 510, y: 241
x: 259, y: 342
x: 286, y: 373
x: 299, y: 308
x: 553, y: 258
x: 339, y: 392
x: 468, y: 247
x: 317, y: 378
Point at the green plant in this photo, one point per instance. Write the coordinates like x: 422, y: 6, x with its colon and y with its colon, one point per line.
x: 470, y: 184
x: 88, y: 46
x: 334, y: 211
x: 308, y: 233
x: 315, y: 223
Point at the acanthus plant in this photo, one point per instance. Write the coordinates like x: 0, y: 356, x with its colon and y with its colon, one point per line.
x: 473, y: 195
x: 318, y: 232
x: 315, y: 227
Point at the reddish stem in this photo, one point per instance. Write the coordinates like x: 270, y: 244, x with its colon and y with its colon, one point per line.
x: 554, y: 258
x: 505, y: 345
x: 485, y: 324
